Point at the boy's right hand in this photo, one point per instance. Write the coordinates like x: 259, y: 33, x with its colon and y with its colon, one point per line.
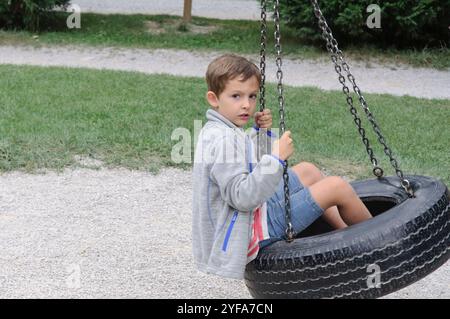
x: 284, y: 147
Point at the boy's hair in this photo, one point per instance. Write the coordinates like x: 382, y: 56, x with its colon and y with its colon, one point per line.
x: 226, y: 68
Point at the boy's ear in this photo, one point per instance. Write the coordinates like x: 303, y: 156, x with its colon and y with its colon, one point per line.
x: 212, y: 99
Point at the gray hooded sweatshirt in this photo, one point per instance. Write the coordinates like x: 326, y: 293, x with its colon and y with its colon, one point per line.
x: 228, y: 184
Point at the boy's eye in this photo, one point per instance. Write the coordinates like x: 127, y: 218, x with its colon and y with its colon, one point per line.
x: 253, y: 96
x: 235, y: 96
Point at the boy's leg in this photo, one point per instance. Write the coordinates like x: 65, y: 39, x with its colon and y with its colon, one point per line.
x: 309, y: 174
x: 335, y: 191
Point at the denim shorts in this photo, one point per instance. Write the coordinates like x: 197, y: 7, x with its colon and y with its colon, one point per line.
x: 304, y: 210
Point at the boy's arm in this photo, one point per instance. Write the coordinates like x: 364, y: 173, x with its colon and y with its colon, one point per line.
x: 241, y: 189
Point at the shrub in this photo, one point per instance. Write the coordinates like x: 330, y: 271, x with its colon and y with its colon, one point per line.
x: 404, y: 23
x: 26, y: 14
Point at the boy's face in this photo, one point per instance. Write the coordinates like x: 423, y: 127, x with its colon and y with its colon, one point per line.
x: 237, y: 102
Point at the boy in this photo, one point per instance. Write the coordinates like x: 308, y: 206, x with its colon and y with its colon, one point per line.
x: 238, y: 203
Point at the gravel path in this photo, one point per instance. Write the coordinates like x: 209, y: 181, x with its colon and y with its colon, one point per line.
x: 219, y: 9
x: 101, y: 234
x: 371, y: 77
x: 115, y: 234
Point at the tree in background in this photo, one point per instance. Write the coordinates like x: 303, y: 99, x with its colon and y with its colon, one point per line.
x: 26, y: 14
x: 404, y: 23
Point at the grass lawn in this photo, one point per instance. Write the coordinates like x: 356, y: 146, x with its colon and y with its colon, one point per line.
x: 50, y: 115
x: 162, y: 31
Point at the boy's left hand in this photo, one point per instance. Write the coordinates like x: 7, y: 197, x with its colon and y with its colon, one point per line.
x: 263, y: 119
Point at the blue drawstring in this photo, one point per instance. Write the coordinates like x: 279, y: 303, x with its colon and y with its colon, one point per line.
x: 230, y: 228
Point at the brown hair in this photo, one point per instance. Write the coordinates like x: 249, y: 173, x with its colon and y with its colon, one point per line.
x: 226, y: 68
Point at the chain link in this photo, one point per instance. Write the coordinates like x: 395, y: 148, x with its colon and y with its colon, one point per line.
x: 262, y: 86
x: 281, y: 103
x: 340, y: 63
x: 262, y: 54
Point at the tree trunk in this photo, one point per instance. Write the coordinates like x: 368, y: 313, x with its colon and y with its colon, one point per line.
x: 187, y: 12
x: 17, y: 9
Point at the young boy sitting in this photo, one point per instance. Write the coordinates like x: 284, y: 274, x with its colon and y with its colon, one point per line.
x: 238, y: 202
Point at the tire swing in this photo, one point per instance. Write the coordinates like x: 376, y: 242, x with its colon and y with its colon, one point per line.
x: 408, y: 238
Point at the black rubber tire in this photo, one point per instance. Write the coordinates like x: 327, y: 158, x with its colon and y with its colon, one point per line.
x: 407, y: 239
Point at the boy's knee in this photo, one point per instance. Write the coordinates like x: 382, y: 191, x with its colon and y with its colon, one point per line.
x: 309, y: 171
x: 307, y: 166
x: 338, y: 184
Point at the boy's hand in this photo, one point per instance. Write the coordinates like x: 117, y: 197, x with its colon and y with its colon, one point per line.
x: 263, y: 119
x: 284, y: 147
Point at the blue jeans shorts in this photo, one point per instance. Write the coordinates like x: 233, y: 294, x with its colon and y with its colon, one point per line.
x: 304, y: 210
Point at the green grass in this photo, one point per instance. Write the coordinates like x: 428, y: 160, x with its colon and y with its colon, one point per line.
x: 50, y: 115
x: 134, y: 31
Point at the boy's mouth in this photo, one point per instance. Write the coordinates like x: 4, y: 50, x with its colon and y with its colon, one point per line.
x: 244, y: 116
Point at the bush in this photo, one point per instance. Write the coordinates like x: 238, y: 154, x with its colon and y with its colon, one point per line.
x: 26, y: 14
x: 404, y: 23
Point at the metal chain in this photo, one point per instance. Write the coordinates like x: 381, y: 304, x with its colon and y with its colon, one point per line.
x: 262, y: 66
x: 326, y: 35
x: 289, y: 229
x: 262, y: 54
x: 336, y: 53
